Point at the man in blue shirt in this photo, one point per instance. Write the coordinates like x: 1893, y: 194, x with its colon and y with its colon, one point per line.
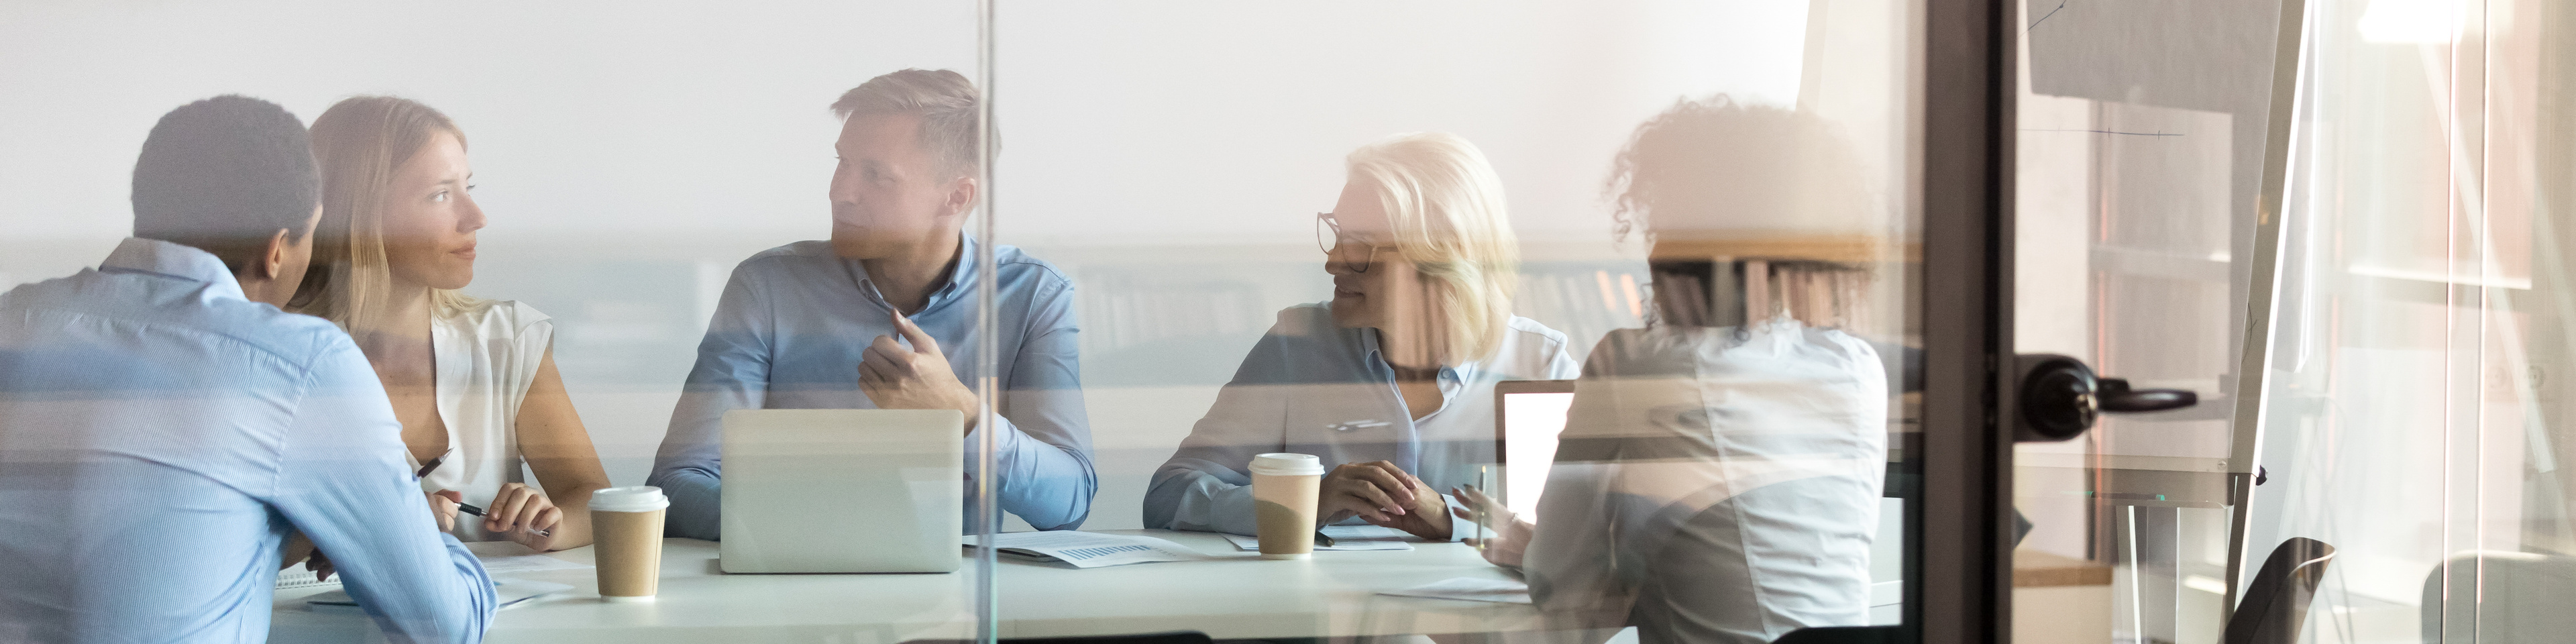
x: 164, y: 427
x: 883, y: 316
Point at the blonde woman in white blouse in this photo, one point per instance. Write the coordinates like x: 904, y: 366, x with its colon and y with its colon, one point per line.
x: 473, y: 381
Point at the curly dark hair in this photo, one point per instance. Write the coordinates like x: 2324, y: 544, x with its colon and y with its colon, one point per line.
x: 1716, y: 163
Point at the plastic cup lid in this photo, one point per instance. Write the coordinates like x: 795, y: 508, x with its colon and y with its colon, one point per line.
x: 1287, y: 464
x: 635, y: 498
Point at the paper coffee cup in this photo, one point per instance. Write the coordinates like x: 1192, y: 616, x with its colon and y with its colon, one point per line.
x: 626, y: 533
x: 1284, y: 488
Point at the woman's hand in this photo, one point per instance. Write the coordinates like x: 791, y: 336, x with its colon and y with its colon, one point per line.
x: 1375, y: 491
x: 519, y: 511
x: 1511, y: 534
x: 1385, y: 495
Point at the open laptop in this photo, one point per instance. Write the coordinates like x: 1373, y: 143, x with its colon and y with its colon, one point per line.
x: 842, y: 490
x: 1528, y: 415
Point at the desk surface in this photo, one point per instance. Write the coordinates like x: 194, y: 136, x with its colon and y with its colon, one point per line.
x: 1230, y: 594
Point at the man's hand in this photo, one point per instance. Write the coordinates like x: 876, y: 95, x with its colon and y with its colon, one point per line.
x: 1382, y: 494
x: 917, y: 378
x: 442, y: 506
x: 520, y: 511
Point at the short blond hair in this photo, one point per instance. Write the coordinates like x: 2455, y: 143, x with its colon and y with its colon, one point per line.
x: 949, y: 106
x: 1445, y: 205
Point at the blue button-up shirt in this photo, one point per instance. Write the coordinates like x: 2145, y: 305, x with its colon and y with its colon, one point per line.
x: 789, y: 332
x: 160, y: 435
x: 1311, y: 387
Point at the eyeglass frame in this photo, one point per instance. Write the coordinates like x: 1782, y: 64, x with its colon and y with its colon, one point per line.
x: 1326, y: 227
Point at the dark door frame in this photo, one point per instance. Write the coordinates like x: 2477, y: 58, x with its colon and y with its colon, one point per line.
x: 1959, y: 586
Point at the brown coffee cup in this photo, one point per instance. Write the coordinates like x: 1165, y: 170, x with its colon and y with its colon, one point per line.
x: 1284, y: 488
x: 626, y: 534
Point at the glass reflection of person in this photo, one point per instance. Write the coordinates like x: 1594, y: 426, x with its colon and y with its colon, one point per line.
x: 793, y: 328
x: 1391, y: 382
x: 1718, y: 476
x: 473, y: 380
x: 164, y: 427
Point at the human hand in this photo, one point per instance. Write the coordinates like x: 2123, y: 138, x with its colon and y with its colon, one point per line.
x: 320, y: 565
x: 294, y: 551
x: 1511, y: 533
x: 1425, y: 516
x: 917, y: 378
x: 521, y: 512
x: 442, y: 506
x: 1382, y: 494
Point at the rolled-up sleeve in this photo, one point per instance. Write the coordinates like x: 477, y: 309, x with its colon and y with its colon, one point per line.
x: 732, y: 372
x: 1043, y: 440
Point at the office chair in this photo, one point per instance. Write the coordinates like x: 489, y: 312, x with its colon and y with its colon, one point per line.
x: 2500, y: 596
x: 2276, y: 601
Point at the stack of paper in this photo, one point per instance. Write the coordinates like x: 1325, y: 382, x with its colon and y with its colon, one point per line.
x: 1088, y: 549
x: 1345, y: 537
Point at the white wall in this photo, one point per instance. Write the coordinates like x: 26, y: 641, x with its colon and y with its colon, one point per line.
x: 628, y: 153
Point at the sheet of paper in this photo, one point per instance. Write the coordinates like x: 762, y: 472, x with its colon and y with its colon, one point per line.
x: 507, y: 558
x: 1474, y: 589
x: 516, y: 564
x: 1091, y: 549
x: 1345, y: 537
x: 511, y: 592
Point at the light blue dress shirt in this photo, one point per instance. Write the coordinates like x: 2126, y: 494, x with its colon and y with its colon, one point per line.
x: 1311, y: 387
x: 160, y: 435
x: 789, y: 332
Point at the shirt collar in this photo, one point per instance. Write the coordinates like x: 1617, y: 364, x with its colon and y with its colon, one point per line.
x: 139, y: 255
x: 1449, y: 374
x: 959, y: 280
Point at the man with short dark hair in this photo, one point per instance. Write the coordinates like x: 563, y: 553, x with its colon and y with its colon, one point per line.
x: 883, y: 316
x: 164, y: 427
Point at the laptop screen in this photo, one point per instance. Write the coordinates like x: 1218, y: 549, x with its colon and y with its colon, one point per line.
x: 1529, y: 414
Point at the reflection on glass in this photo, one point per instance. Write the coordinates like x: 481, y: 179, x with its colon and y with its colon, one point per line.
x: 1719, y: 475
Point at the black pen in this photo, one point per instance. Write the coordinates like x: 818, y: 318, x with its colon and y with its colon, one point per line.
x: 470, y: 509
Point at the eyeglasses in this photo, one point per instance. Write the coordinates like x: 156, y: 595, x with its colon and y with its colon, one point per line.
x: 1328, y: 236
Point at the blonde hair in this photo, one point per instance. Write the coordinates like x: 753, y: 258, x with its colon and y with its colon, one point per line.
x: 1445, y: 205
x: 357, y: 144
x: 949, y: 106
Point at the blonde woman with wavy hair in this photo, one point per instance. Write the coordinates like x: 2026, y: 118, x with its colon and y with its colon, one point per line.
x: 1391, y: 382
x: 472, y: 380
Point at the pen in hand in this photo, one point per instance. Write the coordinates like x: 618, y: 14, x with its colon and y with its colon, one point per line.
x: 470, y: 509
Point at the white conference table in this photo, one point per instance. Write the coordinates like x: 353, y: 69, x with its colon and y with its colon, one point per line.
x: 1230, y: 594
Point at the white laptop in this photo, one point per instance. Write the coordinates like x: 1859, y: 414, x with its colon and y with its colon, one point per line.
x: 842, y: 490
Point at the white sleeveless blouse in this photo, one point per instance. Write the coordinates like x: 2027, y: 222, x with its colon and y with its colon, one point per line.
x: 487, y: 355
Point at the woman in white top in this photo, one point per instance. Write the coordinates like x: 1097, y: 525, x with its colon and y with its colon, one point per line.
x: 1392, y: 381
x: 473, y: 381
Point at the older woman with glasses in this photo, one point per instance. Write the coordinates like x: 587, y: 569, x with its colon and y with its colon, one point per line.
x: 1391, y: 382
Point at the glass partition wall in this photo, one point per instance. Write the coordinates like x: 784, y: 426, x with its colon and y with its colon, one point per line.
x: 1648, y: 258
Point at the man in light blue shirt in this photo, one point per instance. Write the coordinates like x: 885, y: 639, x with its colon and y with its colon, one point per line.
x: 164, y: 427
x: 883, y: 316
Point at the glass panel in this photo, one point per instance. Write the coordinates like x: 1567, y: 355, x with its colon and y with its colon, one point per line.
x: 2142, y: 132
x: 1358, y: 265
x: 2417, y: 416
x: 637, y: 170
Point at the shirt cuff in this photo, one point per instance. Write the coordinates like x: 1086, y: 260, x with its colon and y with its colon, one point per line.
x: 1459, y: 528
